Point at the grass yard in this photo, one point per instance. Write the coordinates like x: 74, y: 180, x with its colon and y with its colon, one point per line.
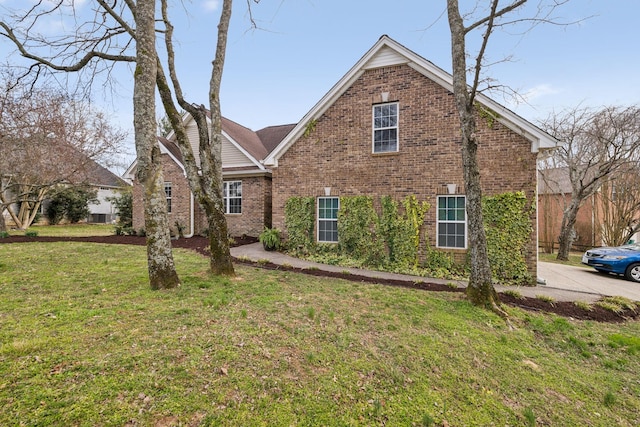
x: 575, y: 259
x: 84, y: 341
x: 69, y: 230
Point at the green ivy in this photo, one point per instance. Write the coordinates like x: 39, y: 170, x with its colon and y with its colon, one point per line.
x: 414, y: 218
x: 356, y: 228
x: 401, y: 233
x: 508, y: 228
x: 299, y: 218
x: 390, y: 239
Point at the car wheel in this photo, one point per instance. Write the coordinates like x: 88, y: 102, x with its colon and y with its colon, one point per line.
x: 633, y: 272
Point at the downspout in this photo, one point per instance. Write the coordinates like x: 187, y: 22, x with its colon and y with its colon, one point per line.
x: 191, y: 215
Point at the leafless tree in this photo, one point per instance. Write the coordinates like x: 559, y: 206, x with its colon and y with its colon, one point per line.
x: 94, y: 46
x: 597, y: 145
x: 467, y: 83
x: 47, y: 138
x: 205, y: 178
x: 619, y: 213
x: 149, y: 168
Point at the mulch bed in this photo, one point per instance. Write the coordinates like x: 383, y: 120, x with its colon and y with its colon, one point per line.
x: 201, y: 245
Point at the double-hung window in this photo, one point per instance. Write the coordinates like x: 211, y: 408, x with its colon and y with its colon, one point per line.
x: 385, y: 128
x: 232, y: 194
x: 452, y: 222
x: 167, y: 194
x: 328, y: 219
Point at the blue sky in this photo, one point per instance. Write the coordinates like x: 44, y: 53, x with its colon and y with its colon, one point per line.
x: 276, y: 73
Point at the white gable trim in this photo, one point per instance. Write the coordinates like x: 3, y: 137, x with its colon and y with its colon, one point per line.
x: 187, y: 118
x: 128, y: 174
x: 388, y: 52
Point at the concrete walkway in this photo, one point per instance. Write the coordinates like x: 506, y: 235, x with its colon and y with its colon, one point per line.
x: 553, y: 288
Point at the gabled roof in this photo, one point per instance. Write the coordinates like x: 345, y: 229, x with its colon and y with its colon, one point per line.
x: 245, y: 138
x: 254, y: 145
x: 387, y: 52
x: 99, y: 176
x: 271, y: 136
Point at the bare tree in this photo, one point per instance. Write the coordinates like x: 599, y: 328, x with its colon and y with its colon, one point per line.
x: 486, y: 21
x: 47, y: 138
x: 94, y: 47
x: 620, y: 206
x: 149, y: 168
x: 597, y: 144
x: 205, y: 178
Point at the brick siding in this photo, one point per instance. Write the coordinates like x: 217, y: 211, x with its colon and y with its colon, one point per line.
x: 338, y: 153
x: 256, y: 204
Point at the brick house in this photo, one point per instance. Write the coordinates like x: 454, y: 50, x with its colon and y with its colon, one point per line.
x: 390, y: 127
x: 246, y: 181
x: 554, y: 194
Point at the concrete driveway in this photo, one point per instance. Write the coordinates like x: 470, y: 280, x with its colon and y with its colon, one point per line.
x: 586, y: 280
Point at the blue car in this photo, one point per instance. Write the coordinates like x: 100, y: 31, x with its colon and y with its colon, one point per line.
x: 623, y: 260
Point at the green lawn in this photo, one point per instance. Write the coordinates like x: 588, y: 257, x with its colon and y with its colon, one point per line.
x: 84, y: 341
x: 575, y: 259
x: 69, y: 230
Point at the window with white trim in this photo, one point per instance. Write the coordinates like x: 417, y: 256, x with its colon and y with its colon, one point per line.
x: 452, y: 222
x: 328, y: 219
x: 385, y: 128
x: 167, y: 194
x: 232, y: 195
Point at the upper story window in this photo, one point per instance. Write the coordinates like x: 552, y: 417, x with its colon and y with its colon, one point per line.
x: 452, y: 222
x: 167, y: 194
x: 385, y: 128
x: 232, y: 194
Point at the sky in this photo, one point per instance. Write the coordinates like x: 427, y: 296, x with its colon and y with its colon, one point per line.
x: 275, y: 73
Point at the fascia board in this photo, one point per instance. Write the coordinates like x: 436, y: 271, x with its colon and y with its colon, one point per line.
x: 186, y: 118
x: 538, y: 138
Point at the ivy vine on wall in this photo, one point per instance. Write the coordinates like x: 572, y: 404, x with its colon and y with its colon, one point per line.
x: 299, y: 218
x: 390, y: 237
x: 508, y: 228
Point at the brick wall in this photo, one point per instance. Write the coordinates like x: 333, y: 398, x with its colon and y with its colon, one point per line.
x: 338, y: 153
x: 256, y: 204
x: 551, y: 207
x: 180, y: 198
x: 256, y: 207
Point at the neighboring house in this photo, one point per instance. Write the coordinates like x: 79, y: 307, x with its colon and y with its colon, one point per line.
x: 554, y: 195
x: 390, y: 127
x: 246, y: 181
x: 96, y: 177
x: 107, y: 185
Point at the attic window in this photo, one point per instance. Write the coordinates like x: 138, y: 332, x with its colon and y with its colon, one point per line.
x: 385, y: 128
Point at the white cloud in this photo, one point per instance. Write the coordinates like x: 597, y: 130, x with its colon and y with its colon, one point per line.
x: 211, y: 5
x: 538, y: 91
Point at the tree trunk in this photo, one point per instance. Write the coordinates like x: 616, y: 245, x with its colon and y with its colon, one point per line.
x: 480, y: 290
x: 567, y: 233
x: 3, y: 224
x: 218, y: 238
x: 220, y: 261
x: 162, y: 273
